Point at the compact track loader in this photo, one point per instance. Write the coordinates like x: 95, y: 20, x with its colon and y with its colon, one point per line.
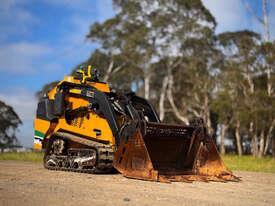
x: 84, y: 126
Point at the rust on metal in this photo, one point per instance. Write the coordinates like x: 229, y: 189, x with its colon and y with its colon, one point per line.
x: 167, y: 153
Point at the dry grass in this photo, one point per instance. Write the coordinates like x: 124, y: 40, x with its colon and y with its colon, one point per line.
x: 22, y: 156
x: 250, y: 163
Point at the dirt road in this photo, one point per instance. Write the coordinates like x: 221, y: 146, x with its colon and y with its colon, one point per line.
x: 24, y: 183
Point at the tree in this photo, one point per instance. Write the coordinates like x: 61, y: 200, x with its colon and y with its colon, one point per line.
x: 244, y: 79
x: 9, y: 121
x: 267, y: 95
x: 196, y: 77
x: 222, y: 105
x: 156, y: 38
x: 241, y: 67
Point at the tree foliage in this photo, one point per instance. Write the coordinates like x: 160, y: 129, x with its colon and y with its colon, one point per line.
x: 9, y: 121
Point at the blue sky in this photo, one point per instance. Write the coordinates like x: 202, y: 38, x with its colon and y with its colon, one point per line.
x: 42, y: 40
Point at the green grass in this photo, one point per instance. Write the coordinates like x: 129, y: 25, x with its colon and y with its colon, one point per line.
x: 22, y: 156
x: 250, y: 163
x: 233, y: 162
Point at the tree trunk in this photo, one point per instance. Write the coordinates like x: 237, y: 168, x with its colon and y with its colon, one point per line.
x: 273, y: 147
x: 261, y: 150
x: 109, y: 71
x: 162, y: 98
x: 254, y: 140
x: 207, y: 115
x: 269, y: 136
x: 147, y: 87
x: 224, y: 128
x: 238, y: 138
x: 265, y: 21
x: 269, y: 83
x: 254, y: 145
x: 171, y: 100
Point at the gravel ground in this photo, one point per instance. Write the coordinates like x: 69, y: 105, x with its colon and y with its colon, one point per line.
x: 25, y: 183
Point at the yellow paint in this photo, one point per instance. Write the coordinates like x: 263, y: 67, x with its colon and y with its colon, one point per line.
x: 85, y: 75
x: 84, y: 125
x: 103, y: 87
x: 75, y: 91
x: 42, y: 125
x: 37, y: 146
x: 52, y: 93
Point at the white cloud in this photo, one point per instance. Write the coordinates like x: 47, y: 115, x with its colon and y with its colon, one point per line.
x: 79, y: 47
x: 73, y: 47
x: 22, y: 100
x: 27, y: 57
x: 22, y: 57
x: 81, y: 22
x: 15, y: 19
x: 24, y: 103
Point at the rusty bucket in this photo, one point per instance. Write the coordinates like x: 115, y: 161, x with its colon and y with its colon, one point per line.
x: 165, y: 153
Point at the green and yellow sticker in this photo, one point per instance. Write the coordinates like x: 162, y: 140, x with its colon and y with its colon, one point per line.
x: 39, y: 135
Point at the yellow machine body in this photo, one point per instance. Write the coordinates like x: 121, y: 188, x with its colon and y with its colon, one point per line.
x: 83, y: 125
